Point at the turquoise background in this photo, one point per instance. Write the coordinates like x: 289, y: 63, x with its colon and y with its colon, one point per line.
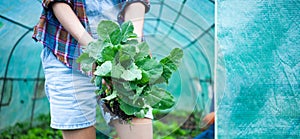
x: 258, y: 69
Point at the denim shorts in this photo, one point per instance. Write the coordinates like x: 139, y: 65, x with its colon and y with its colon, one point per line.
x: 71, y: 95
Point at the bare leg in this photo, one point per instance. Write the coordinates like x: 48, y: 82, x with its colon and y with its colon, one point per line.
x: 85, y: 133
x: 138, y: 129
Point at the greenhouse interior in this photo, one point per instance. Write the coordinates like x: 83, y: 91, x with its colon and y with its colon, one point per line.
x: 185, y: 24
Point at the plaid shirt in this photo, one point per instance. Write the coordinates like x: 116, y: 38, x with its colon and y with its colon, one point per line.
x: 52, y: 34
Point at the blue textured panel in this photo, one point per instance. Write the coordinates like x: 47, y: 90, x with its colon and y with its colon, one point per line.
x: 258, y: 69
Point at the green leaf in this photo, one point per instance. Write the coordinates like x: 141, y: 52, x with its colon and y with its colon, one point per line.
x: 104, y: 69
x: 141, y: 113
x: 99, y: 92
x: 159, y: 98
x: 86, y: 62
x: 117, y: 71
x: 130, y: 50
x: 125, y: 60
x: 115, y: 37
x: 170, y: 63
x: 128, y: 109
x: 122, y: 88
x: 132, y: 74
x: 94, y: 49
x: 145, y: 78
x: 143, y: 51
x: 105, y: 28
x: 133, y: 85
x: 111, y: 96
x: 175, y: 56
x: 151, y: 68
x: 130, y: 85
x: 126, y: 56
x: 109, y: 53
x: 130, y: 93
x: 84, y: 58
x: 132, y: 42
x: 139, y: 91
x: 127, y: 31
x: 132, y: 35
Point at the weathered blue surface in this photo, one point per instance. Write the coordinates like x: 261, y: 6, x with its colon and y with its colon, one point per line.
x: 258, y: 69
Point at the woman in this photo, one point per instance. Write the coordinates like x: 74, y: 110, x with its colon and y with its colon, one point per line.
x: 64, y: 26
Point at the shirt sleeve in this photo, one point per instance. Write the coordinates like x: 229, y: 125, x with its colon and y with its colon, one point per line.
x: 145, y: 2
x: 125, y: 3
x: 48, y: 3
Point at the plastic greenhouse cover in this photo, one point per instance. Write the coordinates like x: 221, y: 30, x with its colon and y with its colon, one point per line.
x: 180, y: 23
x: 22, y: 79
x: 258, y: 58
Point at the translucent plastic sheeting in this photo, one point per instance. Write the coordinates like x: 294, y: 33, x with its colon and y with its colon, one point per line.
x: 188, y: 24
x: 173, y: 23
x: 21, y: 76
x: 258, y: 69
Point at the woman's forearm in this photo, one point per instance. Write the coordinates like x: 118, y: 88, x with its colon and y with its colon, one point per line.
x: 135, y: 12
x: 71, y: 23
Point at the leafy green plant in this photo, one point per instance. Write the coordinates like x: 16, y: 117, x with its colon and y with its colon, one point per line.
x: 171, y: 128
x: 39, y: 130
x: 130, y: 73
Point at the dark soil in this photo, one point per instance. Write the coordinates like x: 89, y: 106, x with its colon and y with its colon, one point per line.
x: 115, y: 109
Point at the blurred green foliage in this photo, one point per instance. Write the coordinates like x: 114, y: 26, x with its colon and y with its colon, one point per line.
x: 170, y: 129
x: 39, y: 130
